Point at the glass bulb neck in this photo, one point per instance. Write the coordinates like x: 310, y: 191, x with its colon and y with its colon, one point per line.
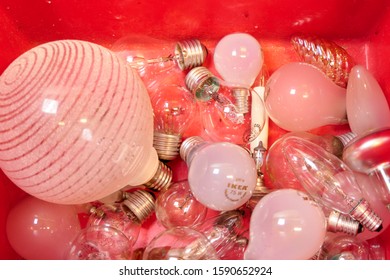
x: 338, y: 222
x: 366, y: 216
x: 202, y: 83
x: 187, y: 147
x: 190, y: 54
x: 139, y: 205
x: 166, y: 145
x: 161, y: 179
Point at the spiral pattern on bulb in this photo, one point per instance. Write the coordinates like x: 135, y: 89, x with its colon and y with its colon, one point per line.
x: 74, y: 121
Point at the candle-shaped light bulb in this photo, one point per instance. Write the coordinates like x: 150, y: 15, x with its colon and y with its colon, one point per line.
x: 76, y: 124
x: 285, y: 225
x: 221, y: 175
x: 238, y: 58
x: 173, y: 109
x: 329, y: 181
x: 299, y: 97
x: 367, y: 106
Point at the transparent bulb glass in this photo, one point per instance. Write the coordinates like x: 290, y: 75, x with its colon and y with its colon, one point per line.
x: 180, y: 243
x: 177, y: 206
x: 328, y: 180
x: 345, y: 248
x: 100, y: 243
x: 300, y: 97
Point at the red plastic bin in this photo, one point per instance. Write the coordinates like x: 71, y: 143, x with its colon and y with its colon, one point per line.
x: 362, y: 27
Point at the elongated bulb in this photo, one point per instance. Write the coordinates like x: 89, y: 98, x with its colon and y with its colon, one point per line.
x: 329, y: 181
x: 222, y: 176
x: 367, y: 107
x: 300, y: 97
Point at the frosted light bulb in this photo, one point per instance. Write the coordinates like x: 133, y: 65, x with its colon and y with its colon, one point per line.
x: 369, y: 154
x: 151, y: 56
x: 180, y: 243
x: 277, y: 168
x: 174, y: 109
x: 367, y: 107
x: 100, y: 243
x: 329, y: 181
x: 238, y: 58
x: 76, y: 124
x: 127, y: 216
x: 222, y: 176
x: 176, y: 206
x: 39, y: 230
x: 329, y: 57
x: 285, y: 225
x: 299, y: 97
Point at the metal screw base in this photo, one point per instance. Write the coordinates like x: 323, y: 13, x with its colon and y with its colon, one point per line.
x: 190, y: 53
x: 166, y: 145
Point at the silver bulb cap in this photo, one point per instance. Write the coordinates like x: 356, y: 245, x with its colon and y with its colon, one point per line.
x: 241, y: 96
x: 166, y: 145
x: 190, y: 54
x: 366, y: 216
x: 161, y: 179
x: 202, y: 83
x: 338, y: 222
x: 346, y: 138
x: 139, y: 205
x: 187, y: 145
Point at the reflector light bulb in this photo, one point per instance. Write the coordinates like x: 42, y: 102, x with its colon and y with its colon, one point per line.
x: 222, y: 176
x: 329, y: 180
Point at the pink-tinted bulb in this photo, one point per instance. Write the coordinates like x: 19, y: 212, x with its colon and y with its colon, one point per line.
x: 176, y: 206
x: 39, y: 230
x: 238, y: 58
x: 367, y: 107
x: 300, y: 97
x: 76, y: 123
x: 285, y: 225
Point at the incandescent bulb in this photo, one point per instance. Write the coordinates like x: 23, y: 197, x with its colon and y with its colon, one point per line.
x: 285, y: 225
x: 367, y: 107
x: 329, y: 180
x: 299, y: 97
x: 76, y: 124
x: 222, y: 176
x: 177, y: 206
x: 173, y: 109
x: 238, y: 58
x: 40, y: 230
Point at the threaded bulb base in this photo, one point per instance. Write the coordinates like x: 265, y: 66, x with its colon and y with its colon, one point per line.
x: 258, y: 193
x: 139, y: 205
x: 187, y: 145
x: 346, y: 137
x: 161, y: 179
x: 366, y: 216
x: 202, y: 83
x: 190, y: 53
x: 166, y: 145
x: 241, y: 96
x: 338, y: 222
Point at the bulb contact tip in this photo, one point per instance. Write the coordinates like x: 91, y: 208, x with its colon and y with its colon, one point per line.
x: 166, y: 145
x: 161, y: 179
x: 202, y: 83
x: 190, y: 53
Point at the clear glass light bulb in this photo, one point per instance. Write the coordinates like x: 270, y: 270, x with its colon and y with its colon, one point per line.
x: 300, y: 97
x: 127, y: 216
x: 345, y: 248
x: 180, y: 243
x: 222, y: 176
x: 174, y: 109
x: 367, y: 106
x: 238, y: 58
x: 285, y: 225
x: 39, y: 230
x: 329, y: 180
x: 177, y: 206
x: 369, y: 154
x: 82, y: 134
x: 100, y: 243
x: 277, y: 169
